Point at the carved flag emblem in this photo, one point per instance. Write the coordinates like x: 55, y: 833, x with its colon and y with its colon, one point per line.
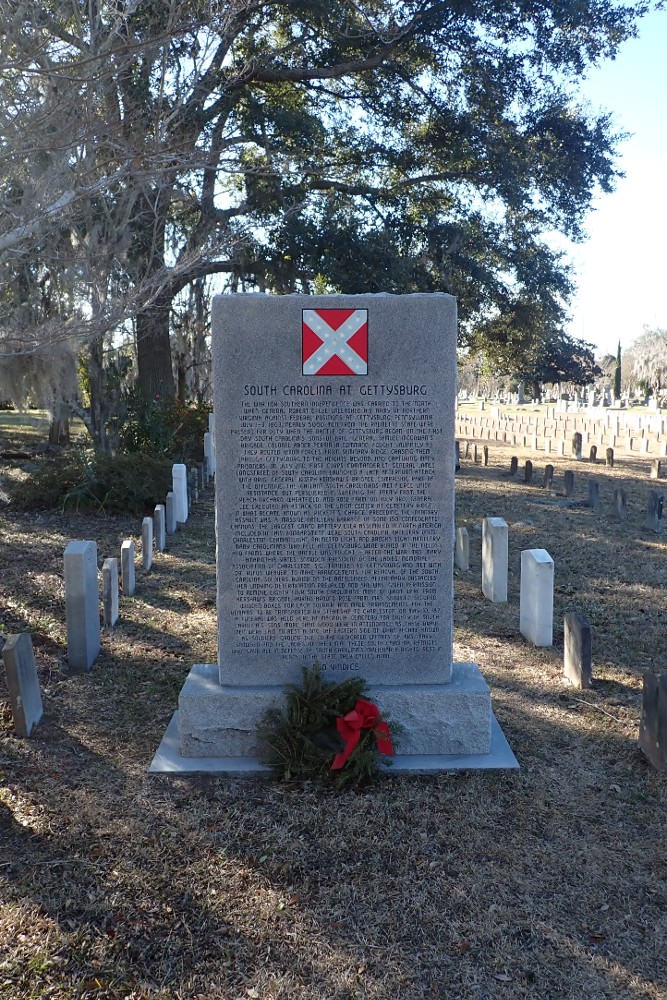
x: 335, y: 341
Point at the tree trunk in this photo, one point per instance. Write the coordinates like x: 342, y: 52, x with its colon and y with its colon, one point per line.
x: 537, y: 394
x: 201, y: 368
x: 154, y: 351
x: 98, y: 410
x: 181, y: 377
x: 59, y: 427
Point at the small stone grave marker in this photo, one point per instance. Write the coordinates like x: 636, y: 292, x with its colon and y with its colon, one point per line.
x: 653, y: 722
x: 569, y: 483
x: 160, y: 527
x: 548, y: 477
x: 536, y: 604
x: 170, y: 514
x: 620, y: 504
x: 495, y: 539
x: 462, y: 549
x: 654, y: 511
x: 25, y: 696
x: 180, y: 490
x: 82, y: 604
x: 514, y: 465
x: 127, y: 573
x: 528, y: 471
x: 110, y: 591
x: 147, y: 543
x: 577, y: 444
x: 610, y: 457
x: 593, y: 494
x: 577, y: 658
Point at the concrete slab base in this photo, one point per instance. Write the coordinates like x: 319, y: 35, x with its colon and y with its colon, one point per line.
x: 220, y: 720
x: 168, y: 759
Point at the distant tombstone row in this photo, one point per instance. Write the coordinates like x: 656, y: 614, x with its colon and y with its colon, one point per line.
x: 82, y: 604
x: 81, y: 579
x: 655, y: 506
x: 536, y: 599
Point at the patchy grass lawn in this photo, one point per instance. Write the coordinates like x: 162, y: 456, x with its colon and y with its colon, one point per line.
x: 29, y: 430
x: 550, y: 882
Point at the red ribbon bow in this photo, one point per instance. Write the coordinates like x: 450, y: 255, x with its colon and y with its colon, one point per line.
x: 364, y: 715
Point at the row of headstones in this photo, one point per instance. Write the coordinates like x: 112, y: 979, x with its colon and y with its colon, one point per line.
x: 632, y: 445
x: 553, y: 439
x: 655, y: 502
x: 536, y: 594
x: 536, y: 625
x: 472, y: 450
x: 81, y: 578
x: 539, y: 423
x: 82, y: 593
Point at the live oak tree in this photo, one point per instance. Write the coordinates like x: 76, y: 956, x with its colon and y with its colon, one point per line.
x: 525, y: 341
x: 647, y: 357
x: 368, y: 145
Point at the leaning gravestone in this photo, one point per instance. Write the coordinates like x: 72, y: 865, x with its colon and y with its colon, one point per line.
x: 334, y: 513
x: 25, y: 695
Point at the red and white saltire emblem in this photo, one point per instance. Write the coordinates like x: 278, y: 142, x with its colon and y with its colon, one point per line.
x: 335, y: 341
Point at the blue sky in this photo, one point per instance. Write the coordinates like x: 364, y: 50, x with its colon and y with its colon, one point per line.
x: 622, y: 268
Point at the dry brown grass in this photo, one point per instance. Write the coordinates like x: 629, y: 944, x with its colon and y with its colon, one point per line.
x: 544, y: 883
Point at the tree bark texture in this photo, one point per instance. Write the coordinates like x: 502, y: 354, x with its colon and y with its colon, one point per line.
x: 154, y: 351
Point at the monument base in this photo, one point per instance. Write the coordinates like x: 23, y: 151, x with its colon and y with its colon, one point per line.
x: 168, y: 760
x: 221, y: 721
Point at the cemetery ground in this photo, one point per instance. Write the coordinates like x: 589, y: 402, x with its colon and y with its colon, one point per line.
x: 548, y: 882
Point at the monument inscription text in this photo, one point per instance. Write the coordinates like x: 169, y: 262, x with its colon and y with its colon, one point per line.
x: 334, y: 539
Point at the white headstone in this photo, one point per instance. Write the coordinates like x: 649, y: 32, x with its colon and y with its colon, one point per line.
x: 110, y: 591
x: 462, y: 549
x: 25, y: 696
x: 160, y: 527
x: 127, y: 567
x: 495, y: 550
x: 147, y: 543
x: 536, y: 607
x: 170, y: 514
x: 180, y: 488
x: 82, y: 604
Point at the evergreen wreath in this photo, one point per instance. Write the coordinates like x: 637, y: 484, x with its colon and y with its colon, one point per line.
x: 304, y: 739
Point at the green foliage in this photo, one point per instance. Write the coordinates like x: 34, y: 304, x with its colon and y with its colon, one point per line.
x: 394, y: 146
x: 163, y: 427
x: 303, y: 738
x: 85, y: 481
x: 526, y: 342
